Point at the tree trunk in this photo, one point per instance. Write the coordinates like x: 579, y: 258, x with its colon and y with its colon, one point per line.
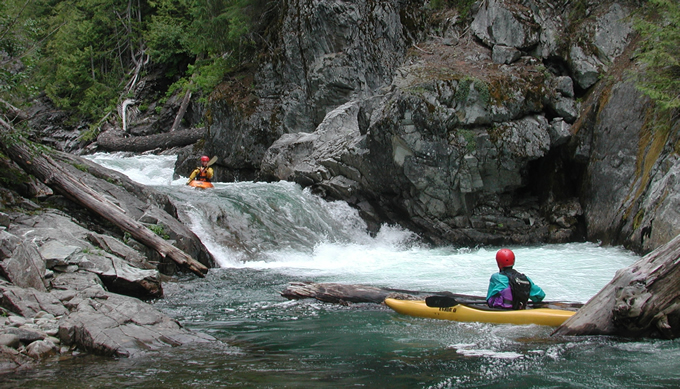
x: 343, y: 293
x: 12, y: 112
x: 113, y: 140
x: 57, y: 177
x: 182, y: 110
x: 642, y: 300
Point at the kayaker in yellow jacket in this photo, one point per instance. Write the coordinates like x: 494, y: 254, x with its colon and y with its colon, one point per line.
x: 203, y: 172
x: 509, y: 288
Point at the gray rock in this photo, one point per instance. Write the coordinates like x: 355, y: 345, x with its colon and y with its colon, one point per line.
x: 16, y: 321
x: 12, y: 360
x: 119, y: 249
x: 613, y: 31
x: 10, y: 340
x: 322, y: 63
x: 57, y: 253
x: 496, y: 23
x: 26, y: 267
x: 4, y: 219
x: 8, y: 243
x: 76, y: 282
x: 117, y: 274
x: 565, y: 107
x: 559, y: 132
x: 28, y: 302
x: 110, y: 324
x: 617, y: 209
x: 119, y: 277
x: 565, y: 86
x: 586, y: 68
x: 41, y: 349
x: 504, y: 54
x: 26, y: 335
x: 296, y: 156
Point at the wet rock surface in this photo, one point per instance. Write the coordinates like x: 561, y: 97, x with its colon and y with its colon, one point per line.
x: 70, y: 285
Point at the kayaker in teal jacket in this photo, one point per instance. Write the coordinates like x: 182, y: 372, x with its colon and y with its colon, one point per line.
x: 500, y: 294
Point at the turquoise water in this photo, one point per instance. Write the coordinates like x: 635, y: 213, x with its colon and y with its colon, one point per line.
x: 267, y: 235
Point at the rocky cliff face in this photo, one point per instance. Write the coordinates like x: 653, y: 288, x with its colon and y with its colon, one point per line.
x: 469, y: 130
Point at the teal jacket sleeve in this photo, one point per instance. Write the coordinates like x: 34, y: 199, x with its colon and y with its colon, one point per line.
x: 497, y: 283
x: 536, y: 293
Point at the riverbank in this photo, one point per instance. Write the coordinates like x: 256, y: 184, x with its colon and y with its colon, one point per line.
x: 73, y: 283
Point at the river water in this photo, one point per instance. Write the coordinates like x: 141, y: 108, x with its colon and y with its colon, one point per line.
x: 267, y: 235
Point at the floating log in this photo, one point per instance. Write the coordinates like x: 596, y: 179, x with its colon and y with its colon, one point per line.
x: 344, y: 293
x: 642, y: 300
x: 114, y: 140
x: 56, y: 176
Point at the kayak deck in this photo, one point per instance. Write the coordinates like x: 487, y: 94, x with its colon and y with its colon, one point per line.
x: 200, y: 184
x: 460, y: 312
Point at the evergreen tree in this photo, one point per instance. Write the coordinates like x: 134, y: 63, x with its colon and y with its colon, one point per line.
x: 659, y: 52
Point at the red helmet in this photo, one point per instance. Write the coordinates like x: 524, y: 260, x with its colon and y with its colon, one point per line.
x: 205, y: 158
x: 505, y: 258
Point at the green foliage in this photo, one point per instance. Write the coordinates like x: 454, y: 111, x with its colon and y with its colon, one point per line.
x: 81, y: 167
x: 86, y: 60
x: 470, y: 140
x: 19, y: 31
x: 83, y: 53
x: 158, y: 230
x: 660, y: 32
x: 216, y: 34
x: 207, y: 75
x: 463, y: 90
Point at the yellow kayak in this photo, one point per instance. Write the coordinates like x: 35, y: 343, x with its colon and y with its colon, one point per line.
x: 460, y: 312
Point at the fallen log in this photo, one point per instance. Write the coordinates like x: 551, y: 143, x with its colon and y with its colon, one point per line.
x: 642, y: 300
x: 114, y: 140
x: 57, y: 176
x: 344, y: 293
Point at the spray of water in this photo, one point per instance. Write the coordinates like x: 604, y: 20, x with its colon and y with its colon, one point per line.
x: 281, y: 227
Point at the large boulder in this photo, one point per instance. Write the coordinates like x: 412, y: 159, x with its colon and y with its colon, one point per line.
x: 111, y: 324
x: 506, y: 23
x: 21, y: 263
x: 631, y: 185
x: 443, y: 156
x: 82, y: 316
x: 65, y: 247
x: 325, y: 57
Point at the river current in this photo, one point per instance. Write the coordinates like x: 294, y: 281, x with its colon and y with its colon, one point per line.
x: 265, y: 235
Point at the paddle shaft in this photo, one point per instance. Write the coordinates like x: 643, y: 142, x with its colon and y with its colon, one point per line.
x: 448, y: 301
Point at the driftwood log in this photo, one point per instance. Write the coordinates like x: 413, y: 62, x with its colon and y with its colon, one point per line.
x: 114, y: 140
x: 56, y: 176
x: 344, y: 293
x: 642, y: 300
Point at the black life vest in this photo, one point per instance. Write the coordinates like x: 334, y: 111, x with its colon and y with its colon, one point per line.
x: 519, y: 286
